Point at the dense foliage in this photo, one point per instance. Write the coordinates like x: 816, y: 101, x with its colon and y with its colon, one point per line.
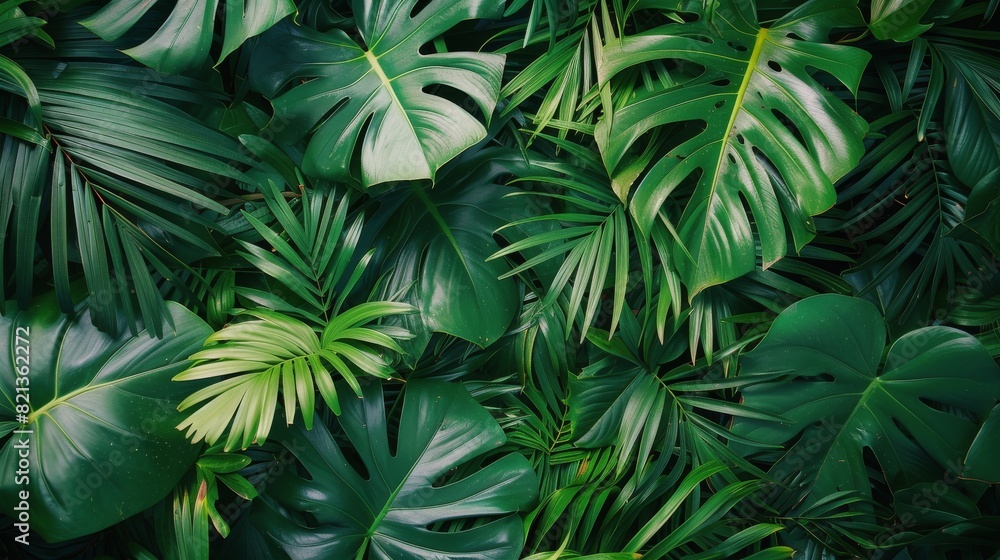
x: 475, y: 279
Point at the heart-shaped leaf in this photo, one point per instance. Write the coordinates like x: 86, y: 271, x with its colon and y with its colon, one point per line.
x: 774, y: 139
x: 918, y: 416
x: 383, y: 94
x: 100, y: 438
x: 437, y: 243
x: 389, y: 509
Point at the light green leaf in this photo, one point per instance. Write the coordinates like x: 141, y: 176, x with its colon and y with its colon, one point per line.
x: 774, y: 138
x: 898, y: 20
x: 272, y: 350
x: 183, y: 41
x: 381, y: 101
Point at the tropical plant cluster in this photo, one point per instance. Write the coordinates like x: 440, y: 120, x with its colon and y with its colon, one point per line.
x: 499, y: 279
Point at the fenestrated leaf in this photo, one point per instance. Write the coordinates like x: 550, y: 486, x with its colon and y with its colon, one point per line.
x: 898, y: 20
x: 388, y: 511
x: 774, y: 140
x: 183, y: 41
x: 380, y: 101
x: 102, y: 444
x: 923, y: 409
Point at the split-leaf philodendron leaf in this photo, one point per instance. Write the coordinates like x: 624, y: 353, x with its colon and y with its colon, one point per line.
x: 383, y: 100
x: 772, y: 137
x: 387, y: 510
x: 185, y: 38
x: 918, y: 413
x: 102, y: 444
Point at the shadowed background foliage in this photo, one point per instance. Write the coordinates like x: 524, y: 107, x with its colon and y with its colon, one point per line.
x: 487, y: 279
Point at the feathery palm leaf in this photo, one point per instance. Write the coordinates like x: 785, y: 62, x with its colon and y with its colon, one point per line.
x: 271, y: 352
x: 310, y: 253
x: 591, y: 234
x: 125, y: 186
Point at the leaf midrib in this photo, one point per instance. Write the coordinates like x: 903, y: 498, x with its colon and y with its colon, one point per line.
x: 443, y: 225
x: 387, y: 507
x: 758, y: 47
x: 387, y: 84
x: 86, y: 389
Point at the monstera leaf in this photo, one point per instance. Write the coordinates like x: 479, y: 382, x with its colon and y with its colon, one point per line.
x: 773, y: 139
x: 101, y: 442
x: 918, y: 416
x: 898, y: 19
x: 383, y: 94
x: 388, y: 509
x: 184, y: 39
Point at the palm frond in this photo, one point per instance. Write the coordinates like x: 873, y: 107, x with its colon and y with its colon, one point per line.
x: 125, y: 186
x: 308, y: 250
x: 268, y: 352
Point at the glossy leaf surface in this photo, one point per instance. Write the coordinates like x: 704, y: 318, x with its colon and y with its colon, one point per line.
x: 103, y: 409
x: 388, y: 510
x: 917, y: 413
x: 183, y: 40
x: 773, y: 139
x: 381, y: 100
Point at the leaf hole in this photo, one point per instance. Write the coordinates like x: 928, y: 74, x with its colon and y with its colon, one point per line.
x: 418, y: 7
x: 875, y: 473
x: 741, y: 139
x: 950, y: 409
x: 724, y: 82
x: 687, y: 17
x: 737, y: 47
x: 899, y: 426
x: 458, y: 97
x: 821, y: 378
x: 787, y: 123
x: 774, y: 66
x: 355, y: 164
x: 720, y: 104
x: 350, y: 455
